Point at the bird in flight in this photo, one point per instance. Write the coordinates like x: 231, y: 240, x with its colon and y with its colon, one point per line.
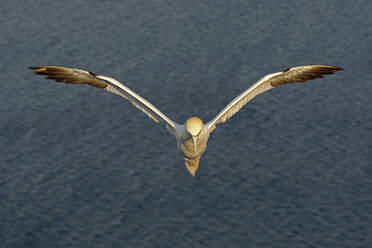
x: 192, y: 136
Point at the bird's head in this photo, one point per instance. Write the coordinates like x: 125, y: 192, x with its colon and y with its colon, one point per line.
x: 193, y: 126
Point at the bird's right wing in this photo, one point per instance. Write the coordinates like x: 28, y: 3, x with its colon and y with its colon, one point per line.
x: 294, y: 74
x: 76, y: 76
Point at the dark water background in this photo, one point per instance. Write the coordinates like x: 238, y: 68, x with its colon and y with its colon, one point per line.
x: 80, y: 167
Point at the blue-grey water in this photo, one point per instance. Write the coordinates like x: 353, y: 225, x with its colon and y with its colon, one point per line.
x: 80, y: 167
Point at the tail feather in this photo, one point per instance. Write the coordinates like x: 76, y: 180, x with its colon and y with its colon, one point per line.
x: 192, y: 165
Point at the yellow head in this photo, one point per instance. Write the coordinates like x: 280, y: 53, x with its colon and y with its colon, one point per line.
x: 194, y: 125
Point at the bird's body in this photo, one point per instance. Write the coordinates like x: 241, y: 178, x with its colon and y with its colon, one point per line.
x: 191, y: 150
x: 191, y: 137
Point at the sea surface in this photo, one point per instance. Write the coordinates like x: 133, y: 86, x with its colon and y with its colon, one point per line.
x: 81, y: 167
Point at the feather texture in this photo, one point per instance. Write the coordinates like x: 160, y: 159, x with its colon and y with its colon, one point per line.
x: 68, y: 75
x: 76, y: 76
x: 294, y: 74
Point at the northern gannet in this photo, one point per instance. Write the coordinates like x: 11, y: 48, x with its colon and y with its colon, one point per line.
x: 192, y: 136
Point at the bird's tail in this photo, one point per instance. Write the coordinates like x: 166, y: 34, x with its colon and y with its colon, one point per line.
x: 192, y: 164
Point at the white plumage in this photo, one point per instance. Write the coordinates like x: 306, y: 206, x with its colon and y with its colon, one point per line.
x: 191, y: 137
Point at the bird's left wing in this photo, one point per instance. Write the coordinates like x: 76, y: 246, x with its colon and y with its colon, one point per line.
x: 76, y: 76
x: 294, y: 74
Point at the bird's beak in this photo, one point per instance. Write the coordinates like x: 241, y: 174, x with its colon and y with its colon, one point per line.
x: 194, y: 141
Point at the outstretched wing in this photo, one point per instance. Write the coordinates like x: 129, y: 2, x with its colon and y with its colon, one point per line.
x: 294, y: 74
x: 76, y: 76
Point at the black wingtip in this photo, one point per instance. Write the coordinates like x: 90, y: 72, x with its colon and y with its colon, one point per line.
x: 93, y: 74
x: 333, y: 69
x: 34, y: 67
